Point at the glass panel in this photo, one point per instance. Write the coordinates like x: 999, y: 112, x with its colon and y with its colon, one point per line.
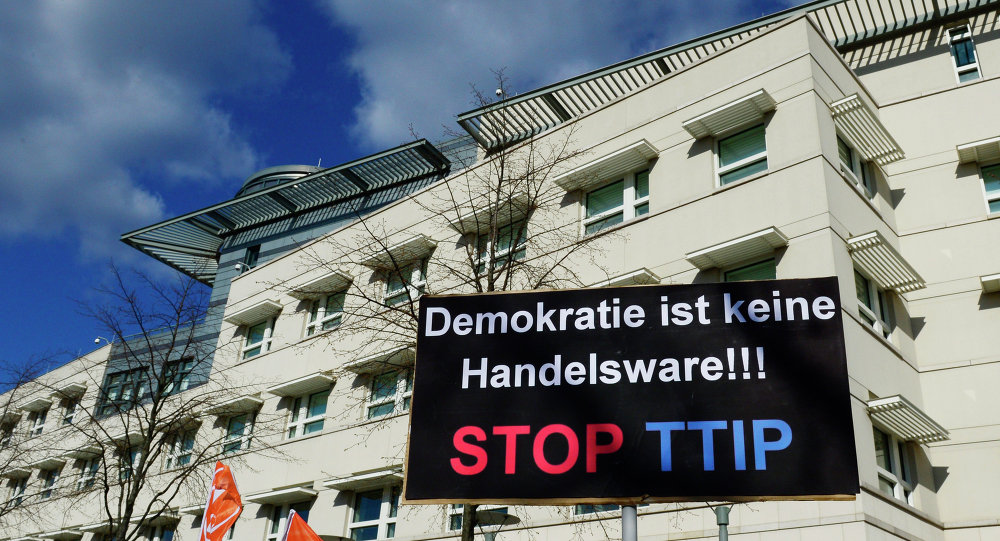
x: 394, y: 502
x: 886, y: 487
x: 964, y: 52
x: 334, y: 304
x: 296, y: 406
x: 642, y: 209
x: 255, y: 334
x: 383, y: 386
x: 317, y: 404
x: 390, y: 530
x: 765, y: 270
x: 995, y: 206
x: 302, y: 509
x: 455, y: 522
x: 367, y: 505
x: 991, y: 181
x: 314, y: 312
x: 641, y: 184
x: 276, y: 516
x: 845, y: 153
x: 312, y: 427
x: 743, y: 172
x: 862, y: 289
x: 237, y: 425
x: 610, y: 221
x: 882, y: 450
x: 741, y: 146
x: 380, y: 410
x: 364, y: 534
x: 606, y: 198
x: 970, y: 75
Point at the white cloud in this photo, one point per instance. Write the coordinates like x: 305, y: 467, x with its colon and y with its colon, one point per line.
x: 416, y: 60
x: 101, y: 98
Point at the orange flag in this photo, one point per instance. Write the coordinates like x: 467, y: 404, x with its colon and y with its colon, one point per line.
x: 223, y: 507
x: 296, y: 529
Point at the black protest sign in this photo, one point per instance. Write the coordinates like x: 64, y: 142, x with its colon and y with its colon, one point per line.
x: 689, y: 392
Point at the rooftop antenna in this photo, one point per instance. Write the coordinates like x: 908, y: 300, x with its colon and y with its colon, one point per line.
x: 319, y: 162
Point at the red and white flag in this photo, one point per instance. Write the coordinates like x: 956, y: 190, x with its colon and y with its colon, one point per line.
x: 223, y: 507
x: 296, y: 529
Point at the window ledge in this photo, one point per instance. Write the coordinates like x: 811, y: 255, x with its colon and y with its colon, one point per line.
x: 633, y: 221
x: 739, y: 182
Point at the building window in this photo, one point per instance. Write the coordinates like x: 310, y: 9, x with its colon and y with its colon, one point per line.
x: 239, y: 430
x: 742, y: 155
x: 70, y: 407
x: 88, y: 473
x: 892, y: 465
x: 508, y: 246
x: 455, y: 514
x: 991, y: 186
x: 374, y: 515
x: 36, y: 422
x: 390, y: 393
x: 50, y: 479
x: 6, y: 434
x: 17, y: 488
x: 159, y: 533
x: 128, y: 458
x: 622, y: 200
x: 856, y: 169
x: 250, y: 258
x: 258, y: 338
x: 325, y: 313
x: 963, y: 53
x: 762, y: 270
x: 873, y: 305
x: 122, y: 390
x: 279, y: 515
x: 586, y: 509
x: 177, y: 376
x: 307, y: 414
x: 180, y: 450
x: 406, y: 283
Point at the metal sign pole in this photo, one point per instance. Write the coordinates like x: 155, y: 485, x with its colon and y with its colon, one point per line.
x: 629, y: 530
x: 722, y: 519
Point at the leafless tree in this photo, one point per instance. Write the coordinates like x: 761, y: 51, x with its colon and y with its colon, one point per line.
x: 141, y: 425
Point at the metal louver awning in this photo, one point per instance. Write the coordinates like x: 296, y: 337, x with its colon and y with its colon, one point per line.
x: 383, y: 360
x: 364, y: 481
x: 282, y: 496
x: 414, y: 248
x: 845, y: 23
x: 738, y: 250
x: 315, y: 382
x: 334, y: 280
x: 607, y: 167
x: 979, y: 151
x: 190, y: 243
x: 856, y: 120
x: 905, y: 420
x: 255, y: 313
x: 874, y: 255
x: 741, y: 112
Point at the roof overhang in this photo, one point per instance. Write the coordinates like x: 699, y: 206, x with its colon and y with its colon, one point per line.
x: 191, y: 243
x: 511, y: 209
x: 979, y: 151
x: 62, y: 535
x: 254, y: 313
x: 282, y: 496
x: 642, y: 276
x: 905, y: 420
x: 383, y: 360
x: 70, y: 390
x: 860, y: 124
x: 312, y: 383
x: 738, y: 250
x: 85, y: 452
x: 742, y: 112
x: 367, y: 480
x: 334, y: 280
x: 36, y: 404
x: 412, y: 249
x: 617, y: 163
x: 880, y: 261
x: 195, y: 510
x: 990, y: 283
x: 239, y: 404
x: 846, y: 24
x: 50, y: 463
x: 16, y: 473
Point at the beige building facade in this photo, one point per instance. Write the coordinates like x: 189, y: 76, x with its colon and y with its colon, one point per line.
x: 849, y: 139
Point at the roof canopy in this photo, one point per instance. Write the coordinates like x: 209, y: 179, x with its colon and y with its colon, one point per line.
x: 190, y: 243
x: 847, y: 24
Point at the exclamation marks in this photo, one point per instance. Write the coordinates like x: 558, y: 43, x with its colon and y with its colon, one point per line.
x: 745, y: 357
x: 760, y: 362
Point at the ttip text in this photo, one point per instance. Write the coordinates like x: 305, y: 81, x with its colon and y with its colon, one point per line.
x: 600, y: 439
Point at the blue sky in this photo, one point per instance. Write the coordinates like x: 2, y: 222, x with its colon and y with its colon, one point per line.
x: 116, y: 115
